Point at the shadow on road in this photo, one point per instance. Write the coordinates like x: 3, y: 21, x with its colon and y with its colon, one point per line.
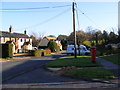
x: 31, y: 71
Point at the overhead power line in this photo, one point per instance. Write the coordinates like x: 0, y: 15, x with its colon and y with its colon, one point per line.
x: 8, y: 9
x: 50, y: 19
x: 88, y: 18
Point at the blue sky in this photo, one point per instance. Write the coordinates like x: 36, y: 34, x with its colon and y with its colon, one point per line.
x: 56, y: 21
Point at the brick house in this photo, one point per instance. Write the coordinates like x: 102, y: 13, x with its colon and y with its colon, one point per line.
x: 45, y: 41
x: 20, y: 41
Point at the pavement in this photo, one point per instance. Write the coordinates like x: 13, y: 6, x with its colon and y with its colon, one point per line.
x: 111, y: 66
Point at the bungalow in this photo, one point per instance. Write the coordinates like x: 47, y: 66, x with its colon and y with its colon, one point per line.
x: 44, y: 42
x: 21, y: 42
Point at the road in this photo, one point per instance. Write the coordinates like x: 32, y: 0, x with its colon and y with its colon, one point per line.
x: 15, y: 68
x: 32, y: 74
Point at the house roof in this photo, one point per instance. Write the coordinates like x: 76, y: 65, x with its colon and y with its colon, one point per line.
x: 50, y: 38
x: 13, y: 35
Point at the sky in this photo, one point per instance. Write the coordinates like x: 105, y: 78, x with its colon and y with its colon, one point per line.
x: 55, y: 18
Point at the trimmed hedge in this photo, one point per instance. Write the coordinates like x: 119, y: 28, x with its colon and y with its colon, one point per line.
x: 48, y: 51
x: 37, y: 52
x: 7, y: 50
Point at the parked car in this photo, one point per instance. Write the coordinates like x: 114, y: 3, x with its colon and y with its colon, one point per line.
x: 34, y: 48
x: 83, y: 50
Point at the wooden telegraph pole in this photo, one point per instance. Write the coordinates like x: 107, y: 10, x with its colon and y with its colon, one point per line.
x: 75, y: 50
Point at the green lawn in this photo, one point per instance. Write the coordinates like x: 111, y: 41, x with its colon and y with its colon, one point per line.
x: 89, y: 43
x: 90, y: 73
x: 113, y: 58
x: 80, y: 61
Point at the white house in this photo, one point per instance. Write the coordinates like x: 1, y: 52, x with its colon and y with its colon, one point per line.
x: 19, y: 40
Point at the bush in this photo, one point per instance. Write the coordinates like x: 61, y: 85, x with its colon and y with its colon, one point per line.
x: 7, y: 50
x: 10, y: 50
x: 37, y: 52
x: 48, y: 51
x: 109, y: 47
x: 52, y: 45
x: 107, y: 51
x: 31, y: 52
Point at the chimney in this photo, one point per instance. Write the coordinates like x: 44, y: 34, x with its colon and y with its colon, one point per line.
x: 10, y: 29
x: 25, y: 32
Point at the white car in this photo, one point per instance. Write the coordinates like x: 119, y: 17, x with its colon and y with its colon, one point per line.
x: 34, y: 48
x: 83, y: 50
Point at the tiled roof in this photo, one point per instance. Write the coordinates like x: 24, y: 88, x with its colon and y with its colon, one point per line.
x: 50, y: 38
x: 13, y: 35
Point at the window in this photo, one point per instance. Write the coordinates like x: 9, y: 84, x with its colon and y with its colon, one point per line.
x: 25, y: 39
x: 21, y: 40
x: 84, y: 49
x: 72, y: 48
x: 4, y: 39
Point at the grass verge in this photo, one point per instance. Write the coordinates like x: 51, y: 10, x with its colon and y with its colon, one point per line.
x: 113, y: 58
x: 80, y: 61
x: 90, y: 73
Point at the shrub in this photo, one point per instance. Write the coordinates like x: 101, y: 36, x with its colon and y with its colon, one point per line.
x: 31, y: 52
x: 10, y: 50
x: 57, y: 48
x: 37, y: 52
x: 107, y: 51
x: 109, y: 47
x: 48, y: 51
x: 52, y: 45
x: 7, y: 50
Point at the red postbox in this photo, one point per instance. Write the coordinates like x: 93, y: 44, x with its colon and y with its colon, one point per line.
x: 93, y: 54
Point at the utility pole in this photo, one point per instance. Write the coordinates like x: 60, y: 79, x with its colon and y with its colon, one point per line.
x: 75, y: 50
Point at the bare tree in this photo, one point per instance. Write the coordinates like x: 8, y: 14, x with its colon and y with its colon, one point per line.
x: 105, y: 37
x: 36, y: 38
x: 81, y: 37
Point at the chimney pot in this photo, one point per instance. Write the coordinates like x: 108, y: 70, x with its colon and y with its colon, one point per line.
x: 25, y: 32
x: 10, y: 29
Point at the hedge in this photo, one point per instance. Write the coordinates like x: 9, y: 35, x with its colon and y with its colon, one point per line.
x: 48, y: 51
x: 37, y: 52
x: 7, y: 50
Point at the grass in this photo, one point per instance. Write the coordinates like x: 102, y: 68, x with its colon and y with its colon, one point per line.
x: 80, y: 61
x: 90, y: 73
x: 89, y: 43
x: 113, y: 58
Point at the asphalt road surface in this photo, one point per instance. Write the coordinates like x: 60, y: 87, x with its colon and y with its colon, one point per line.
x: 16, y: 68
x: 32, y: 74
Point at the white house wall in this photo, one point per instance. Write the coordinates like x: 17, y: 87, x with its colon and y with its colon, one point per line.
x: 20, y: 43
x: 2, y: 40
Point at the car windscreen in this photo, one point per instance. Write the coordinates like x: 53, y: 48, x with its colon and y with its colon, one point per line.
x: 69, y: 49
x: 85, y: 49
